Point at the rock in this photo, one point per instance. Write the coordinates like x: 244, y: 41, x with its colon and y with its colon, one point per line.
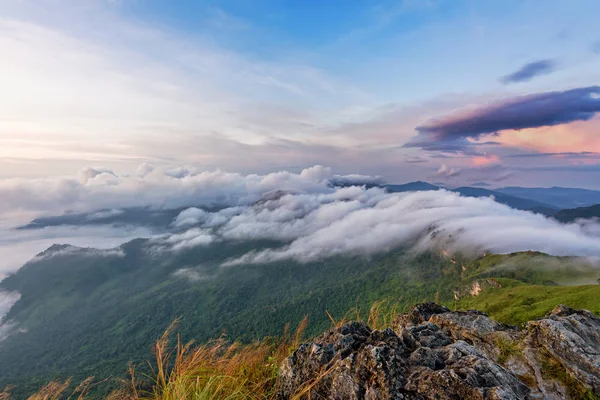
x: 418, y: 314
x: 572, y: 338
x: 435, y: 353
x: 350, y: 362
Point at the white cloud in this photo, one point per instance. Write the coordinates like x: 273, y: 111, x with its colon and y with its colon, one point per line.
x: 358, y: 221
x: 19, y: 246
x: 447, y: 172
x: 7, y: 300
x: 190, y: 238
x: 315, y: 227
x: 191, y: 274
x: 100, y: 189
x: 104, y: 214
x: 190, y: 216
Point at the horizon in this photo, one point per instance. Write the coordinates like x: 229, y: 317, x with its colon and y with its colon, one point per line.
x: 190, y: 179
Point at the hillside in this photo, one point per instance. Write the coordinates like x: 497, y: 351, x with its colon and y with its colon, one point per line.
x: 570, y: 215
x: 85, y: 312
x: 467, y: 191
x: 511, y: 201
x: 99, y: 310
x: 558, y: 197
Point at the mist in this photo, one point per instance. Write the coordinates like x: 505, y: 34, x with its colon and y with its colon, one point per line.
x: 7, y: 300
x: 359, y: 221
x: 305, y: 212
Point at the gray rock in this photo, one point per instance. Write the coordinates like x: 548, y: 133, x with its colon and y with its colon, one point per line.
x: 571, y: 337
x: 434, y: 353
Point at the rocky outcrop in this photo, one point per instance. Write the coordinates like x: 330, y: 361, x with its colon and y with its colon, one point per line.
x: 434, y: 353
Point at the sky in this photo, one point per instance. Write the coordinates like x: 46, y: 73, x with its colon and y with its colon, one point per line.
x: 455, y: 92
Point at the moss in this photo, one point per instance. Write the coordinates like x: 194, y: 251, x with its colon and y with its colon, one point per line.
x: 553, y: 369
x: 507, y: 348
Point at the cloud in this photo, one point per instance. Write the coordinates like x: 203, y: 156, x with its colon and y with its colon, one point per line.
x: 415, y: 160
x: 191, y: 216
x: 104, y: 193
x: 373, y: 221
x: 446, y: 172
x: 191, y: 274
x: 530, y: 71
x: 359, y: 221
x: 19, y: 246
x: 190, y: 238
x: 101, y: 189
x: 7, y: 300
x: 104, y: 214
x: 458, y: 131
x: 575, y: 154
x: 67, y: 250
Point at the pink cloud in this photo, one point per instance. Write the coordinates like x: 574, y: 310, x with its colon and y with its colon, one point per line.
x: 486, y: 159
x: 574, y: 137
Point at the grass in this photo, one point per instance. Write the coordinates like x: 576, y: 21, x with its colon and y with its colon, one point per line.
x: 507, y: 348
x: 553, y: 369
x: 217, y: 370
x: 220, y: 370
x: 213, y: 371
x: 516, y: 303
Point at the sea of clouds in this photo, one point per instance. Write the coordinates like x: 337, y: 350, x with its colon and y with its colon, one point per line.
x: 359, y: 221
x: 314, y: 214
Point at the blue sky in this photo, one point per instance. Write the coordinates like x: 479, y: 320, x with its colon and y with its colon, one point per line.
x: 258, y: 86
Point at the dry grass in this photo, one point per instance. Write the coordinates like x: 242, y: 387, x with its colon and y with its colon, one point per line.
x: 380, y: 315
x: 218, y: 370
x: 56, y: 390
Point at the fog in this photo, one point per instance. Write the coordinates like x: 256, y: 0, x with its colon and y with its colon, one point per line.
x: 356, y: 220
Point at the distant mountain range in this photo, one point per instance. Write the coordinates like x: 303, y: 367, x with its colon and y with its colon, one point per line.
x: 558, y: 197
x: 511, y: 201
x: 573, y: 202
x: 573, y: 214
x: 567, y: 203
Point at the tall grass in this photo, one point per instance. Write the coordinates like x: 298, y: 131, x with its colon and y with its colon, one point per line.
x: 217, y: 370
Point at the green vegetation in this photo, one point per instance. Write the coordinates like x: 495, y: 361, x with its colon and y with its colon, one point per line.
x: 553, y: 369
x: 573, y: 214
x: 517, y: 303
x: 88, y: 314
x: 507, y: 348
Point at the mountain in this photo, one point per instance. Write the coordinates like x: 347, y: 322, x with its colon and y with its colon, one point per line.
x: 511, y: 201
x: 86, y: 312
x: 570, y: 215
x: 140, y: 216
x: 412, y: 187
x: 557, y: 197
x: 89, y: 312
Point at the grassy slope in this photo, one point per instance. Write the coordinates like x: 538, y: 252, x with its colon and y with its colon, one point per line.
x: 516, y: 303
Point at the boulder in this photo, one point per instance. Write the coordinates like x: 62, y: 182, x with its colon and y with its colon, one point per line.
x: 434, y: 353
